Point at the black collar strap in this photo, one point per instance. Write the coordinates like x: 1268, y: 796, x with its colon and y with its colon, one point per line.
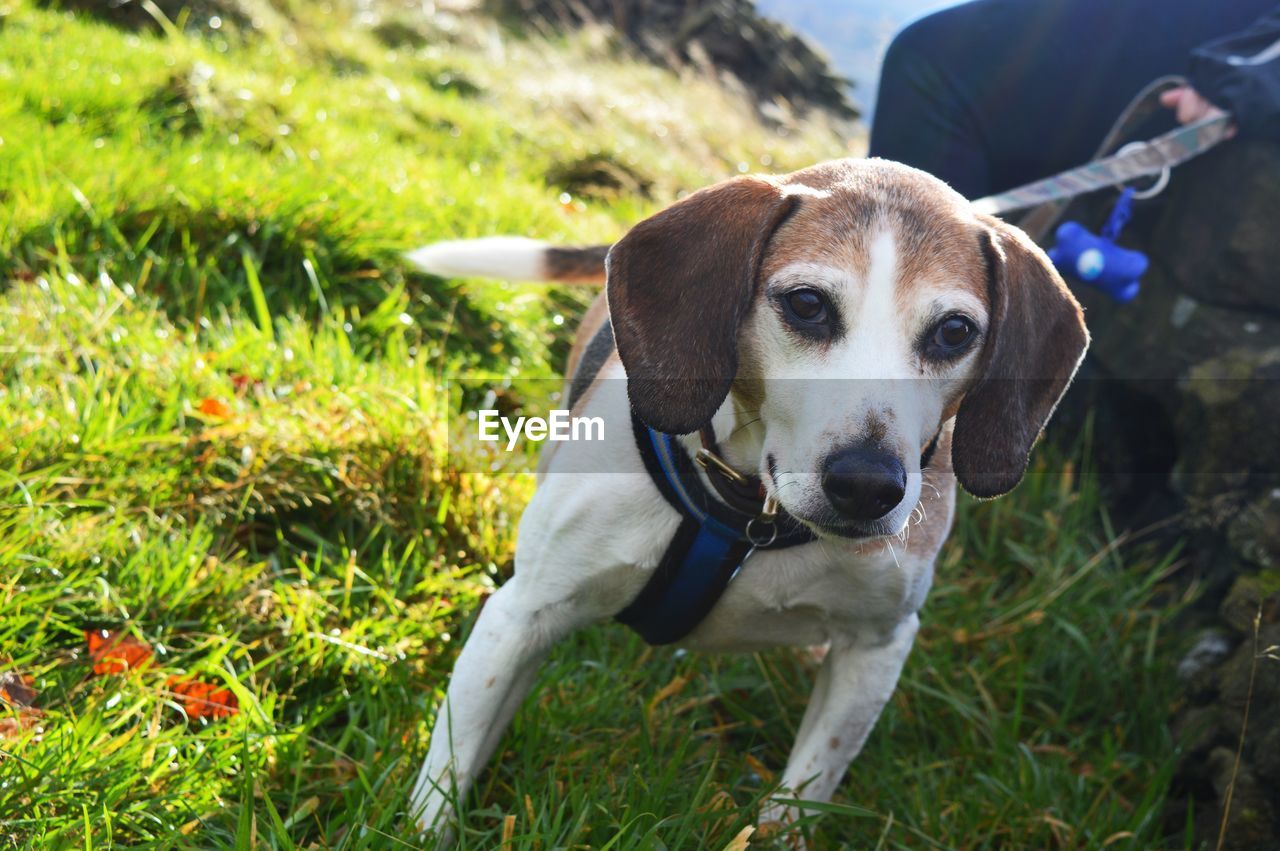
x: 738, y: 504
x: 713, y: 540
x: 715, y: 535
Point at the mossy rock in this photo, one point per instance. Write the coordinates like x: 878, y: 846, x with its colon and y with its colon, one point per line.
x: 1210, y: 735
x: 1206, y: 354
x: 1255, y: 534
x: 1219, y: 228
x: 1250, y: 596
x: 601, y: 177
x: 1201, y: 347
x: 1229, y: 416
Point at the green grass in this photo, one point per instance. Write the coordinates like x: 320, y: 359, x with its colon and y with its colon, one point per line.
x: 215, y: 215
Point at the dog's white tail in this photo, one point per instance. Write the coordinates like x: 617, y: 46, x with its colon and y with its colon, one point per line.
x: 511, y: 258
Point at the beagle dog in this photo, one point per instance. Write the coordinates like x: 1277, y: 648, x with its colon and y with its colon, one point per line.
x: 860, y: 340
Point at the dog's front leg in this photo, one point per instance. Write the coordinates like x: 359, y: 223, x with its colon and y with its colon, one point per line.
x: 855, y: 682
x: 490, y: 679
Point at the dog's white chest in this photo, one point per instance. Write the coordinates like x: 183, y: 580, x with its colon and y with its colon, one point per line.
x: 594, y: 533
x: 811, y: 594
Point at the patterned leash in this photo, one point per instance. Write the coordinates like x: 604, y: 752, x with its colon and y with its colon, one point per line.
x: 1140, y: 159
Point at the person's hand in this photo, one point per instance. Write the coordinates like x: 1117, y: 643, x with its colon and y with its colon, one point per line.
x: 1189, y: 106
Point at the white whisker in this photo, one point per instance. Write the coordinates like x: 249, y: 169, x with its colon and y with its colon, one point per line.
x: 893, y: 553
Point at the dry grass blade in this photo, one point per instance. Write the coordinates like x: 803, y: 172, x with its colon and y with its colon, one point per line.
x: 1244, y: 729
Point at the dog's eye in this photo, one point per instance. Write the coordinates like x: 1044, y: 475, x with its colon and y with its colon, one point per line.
x: 950, y: 337
x: 806, y: 305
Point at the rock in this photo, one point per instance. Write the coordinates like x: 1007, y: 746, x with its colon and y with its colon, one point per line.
x: 1249, y: 596
x: 770, y: 60
x: 1210, y: 735
x: 1254, y: 535
x: 1200, y: 728
x: 1204, y: 655
x: 599, y: 176
x: 1229, y: 412
x: 1199, y: 362
x: 1226, y: 250
x: 1252, y: 812
x: 1183, y: 386
x: 1267, y: 759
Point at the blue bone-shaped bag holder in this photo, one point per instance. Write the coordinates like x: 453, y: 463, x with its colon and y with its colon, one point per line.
x: 1097, y: 260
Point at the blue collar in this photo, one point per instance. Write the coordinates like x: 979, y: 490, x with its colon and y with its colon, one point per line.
x: 713, y: 541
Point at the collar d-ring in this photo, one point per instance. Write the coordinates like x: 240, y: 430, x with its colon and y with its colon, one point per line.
x: 757, y: 536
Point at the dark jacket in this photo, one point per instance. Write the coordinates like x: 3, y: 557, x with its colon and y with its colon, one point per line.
x: 1241, y: 74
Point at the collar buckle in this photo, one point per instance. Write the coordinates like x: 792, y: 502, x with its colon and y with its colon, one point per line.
x: 709, y: 461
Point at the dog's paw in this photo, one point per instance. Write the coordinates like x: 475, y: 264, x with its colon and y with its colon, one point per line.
x: 432, y: 819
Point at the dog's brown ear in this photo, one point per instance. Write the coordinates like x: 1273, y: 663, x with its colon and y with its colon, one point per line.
x: 679, y: 285
x: 1035, y: 340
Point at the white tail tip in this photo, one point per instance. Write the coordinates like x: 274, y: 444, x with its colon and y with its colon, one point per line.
x: 512, y: 258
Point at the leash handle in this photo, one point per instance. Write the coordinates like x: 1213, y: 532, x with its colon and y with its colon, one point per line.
x: 1147, y: 158
x: 1039, y: 221
x: 1139, y: 159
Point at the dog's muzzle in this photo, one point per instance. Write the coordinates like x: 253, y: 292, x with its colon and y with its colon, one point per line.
x: 863, y: 484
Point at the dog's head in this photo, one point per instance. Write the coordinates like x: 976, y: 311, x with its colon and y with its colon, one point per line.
x: 853, y: 308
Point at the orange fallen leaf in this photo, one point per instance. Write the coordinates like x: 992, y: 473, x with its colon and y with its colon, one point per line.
x: 114, y: 654
x: 214, y: 408
x: 203, y: 700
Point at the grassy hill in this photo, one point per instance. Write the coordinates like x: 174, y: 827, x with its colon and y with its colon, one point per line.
x: 226, y: 434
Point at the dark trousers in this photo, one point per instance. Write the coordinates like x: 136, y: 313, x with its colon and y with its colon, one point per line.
x: 992, y: 94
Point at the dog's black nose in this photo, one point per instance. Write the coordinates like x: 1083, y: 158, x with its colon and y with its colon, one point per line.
x: 863, y: 484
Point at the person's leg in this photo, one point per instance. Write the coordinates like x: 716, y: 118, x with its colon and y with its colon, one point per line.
x: 921, y: 119
x: 991, y: 94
